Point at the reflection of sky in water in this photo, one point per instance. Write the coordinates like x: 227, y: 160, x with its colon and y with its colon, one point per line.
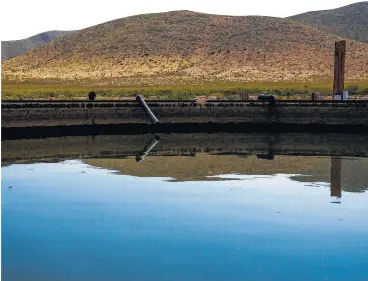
x: 70, y: 221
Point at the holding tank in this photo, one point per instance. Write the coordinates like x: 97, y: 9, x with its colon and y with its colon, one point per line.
x: 92, y: 96
x: 269, y: 98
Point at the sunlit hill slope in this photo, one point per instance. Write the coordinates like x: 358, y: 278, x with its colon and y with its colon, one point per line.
x: 191, y: 46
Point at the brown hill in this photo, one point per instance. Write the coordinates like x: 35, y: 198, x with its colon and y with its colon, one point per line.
x: 13, y: 48
x: 191, y: 45
x: 349, y: 21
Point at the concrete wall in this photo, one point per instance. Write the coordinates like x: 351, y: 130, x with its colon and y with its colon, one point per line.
x: 23, y: 114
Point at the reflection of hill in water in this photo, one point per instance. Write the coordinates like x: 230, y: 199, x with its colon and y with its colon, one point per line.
x: 354, y: 177
x: 171, y: 155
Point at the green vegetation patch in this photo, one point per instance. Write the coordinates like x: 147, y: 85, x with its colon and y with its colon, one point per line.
x: 180, y: 92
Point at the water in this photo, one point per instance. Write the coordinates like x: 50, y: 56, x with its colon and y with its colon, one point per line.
x: 181, y: 214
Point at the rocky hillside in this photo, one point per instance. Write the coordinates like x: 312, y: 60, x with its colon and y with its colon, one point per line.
x: 349, y: 21
x: 10, y: 49
x: 190, y: 45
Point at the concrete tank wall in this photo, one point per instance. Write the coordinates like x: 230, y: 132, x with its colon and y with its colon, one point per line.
x: 88, y: 113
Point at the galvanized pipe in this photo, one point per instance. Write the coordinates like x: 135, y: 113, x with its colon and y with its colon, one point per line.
x: 148, y: 111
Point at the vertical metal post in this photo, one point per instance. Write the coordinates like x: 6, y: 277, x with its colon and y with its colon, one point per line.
x: 339, y: 68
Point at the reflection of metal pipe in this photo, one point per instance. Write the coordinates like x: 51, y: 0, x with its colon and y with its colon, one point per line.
x: 148, y: 111
x: 147, y: 149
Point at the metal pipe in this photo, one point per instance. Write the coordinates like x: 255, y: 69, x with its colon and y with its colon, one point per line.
x: 148, y: 111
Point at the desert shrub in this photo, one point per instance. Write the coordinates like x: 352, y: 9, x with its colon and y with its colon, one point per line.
x: 182, y: 96
x: 364, y: 91
x: 277, y: 92
x: 353, y: 89
x: 165, y: 92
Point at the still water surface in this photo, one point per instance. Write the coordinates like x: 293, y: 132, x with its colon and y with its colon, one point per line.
x: 119, y: 219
